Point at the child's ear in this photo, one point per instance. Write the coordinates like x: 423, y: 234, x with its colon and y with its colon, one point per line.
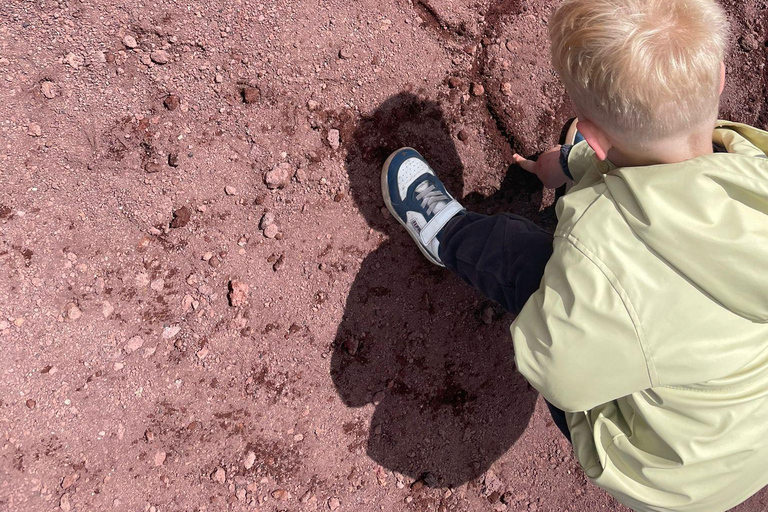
x: 595, y: 137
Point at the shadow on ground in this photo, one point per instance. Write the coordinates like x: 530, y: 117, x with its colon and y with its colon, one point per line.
x: 413, y: 341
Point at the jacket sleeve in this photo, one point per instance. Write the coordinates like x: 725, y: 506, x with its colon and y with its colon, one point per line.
x: 574, y: 339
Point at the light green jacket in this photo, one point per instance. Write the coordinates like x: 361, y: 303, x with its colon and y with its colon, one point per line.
x: 651, y: 325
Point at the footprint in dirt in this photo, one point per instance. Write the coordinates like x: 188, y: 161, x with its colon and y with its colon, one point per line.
x: 413, y: 340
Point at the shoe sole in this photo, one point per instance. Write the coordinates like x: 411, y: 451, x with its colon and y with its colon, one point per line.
x: 388, y: 202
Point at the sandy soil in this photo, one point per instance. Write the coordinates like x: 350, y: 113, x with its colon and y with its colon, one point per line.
x: 203, y: 304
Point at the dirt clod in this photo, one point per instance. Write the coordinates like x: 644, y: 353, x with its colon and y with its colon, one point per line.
x: 181, y: 217
x: 238, y: 293
x: 171, y: 102
x: 250, y: 94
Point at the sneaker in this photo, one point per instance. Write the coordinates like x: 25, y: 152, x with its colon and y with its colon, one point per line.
x: 418, y: 200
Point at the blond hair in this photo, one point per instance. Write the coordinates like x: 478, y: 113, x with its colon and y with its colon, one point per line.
x: 641, y: 69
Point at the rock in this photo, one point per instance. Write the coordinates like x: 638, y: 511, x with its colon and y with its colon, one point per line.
x: 477, y: 89
x: 181, y: 217
x: 107, y: 309
x: 219, y: 78
x: 219, y: 475
x: 345, y: 53
x: 34, y: 130
x: 230, y: 190
x: 48, y: 89
x: 281, y: 495
x: 31, y: 404
x: 463, y: 135
x: 70, y: 480
x: 173, y: 159
x: 277, y: 265
x: 506, y: 89
x: 171, y: 331
x: 202, y: 353
x: 64, y: 503
x: 214, y: 261
x: 267, y: 220
x: 72, y: 312
x: 238, y: 293
x: 130, y: 42
x: 74, y: 60
x: 157, y: 285
x: 454, y: 82
x: 171, y: 102
x: 250, y: 95
x: 312, y: 105
x: 279, y: 176
x: 159, y: 458
x: 160, y: 57
x: 249, y: 460
x: 748, y: 43
x: 333, y: 138
x: 334, y: 503
x: 133, y: 344
x: 152, y: 167
x: 149, y: 436
x: 271, y: 231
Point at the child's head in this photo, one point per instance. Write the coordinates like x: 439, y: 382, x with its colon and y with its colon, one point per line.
x: 641, y: 70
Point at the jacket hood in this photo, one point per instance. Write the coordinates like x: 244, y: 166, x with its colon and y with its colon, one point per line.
x: 707, y: 217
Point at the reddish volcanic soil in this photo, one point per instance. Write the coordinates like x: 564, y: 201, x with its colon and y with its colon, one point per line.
x: 177, y: 336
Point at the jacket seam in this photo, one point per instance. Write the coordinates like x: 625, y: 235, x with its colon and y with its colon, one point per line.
x: 631, y: 312
x: 720, y: 390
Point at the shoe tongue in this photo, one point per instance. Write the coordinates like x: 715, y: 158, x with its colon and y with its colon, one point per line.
x: 439, y: 206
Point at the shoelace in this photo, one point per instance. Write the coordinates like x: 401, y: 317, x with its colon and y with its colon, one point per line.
x: 431, y: 199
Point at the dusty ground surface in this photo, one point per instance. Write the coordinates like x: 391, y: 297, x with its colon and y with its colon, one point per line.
x: 176, y: 335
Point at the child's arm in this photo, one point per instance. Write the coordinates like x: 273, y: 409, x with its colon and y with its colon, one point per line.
x: 549, y: 167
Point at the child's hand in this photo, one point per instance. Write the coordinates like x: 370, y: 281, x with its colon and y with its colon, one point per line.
x: 547, y: 167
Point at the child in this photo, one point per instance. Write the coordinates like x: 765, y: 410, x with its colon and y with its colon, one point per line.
x: 643, y: 321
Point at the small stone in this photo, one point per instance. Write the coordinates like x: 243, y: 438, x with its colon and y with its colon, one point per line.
x: 70, y: 480
x: 181, y: 217
x: 333, y: 138
x: 238, y: 293
x: 271, y: 231
x: 157, y: 285
x: 219, y: 78
x: 230, y: 190
x: 74, y: 60
x: 152, y: 167
x: 278, y: 264
x: 171, y: 102
x: 34, y: 130
x: 48, y: 89
x: 279, y: 176
x: 334, y: 503
x: 298, y: 438
x: 214, y: 262
x: 454, y: 82
x: 250, y: 95
x: 64, y: 503
x: 219, y: 475
x: 107, y: 309
x: 31, y: 404
x: 241, y: 494
x: 159, y: 458
x: 72, y: 312
x: 478, y: 89
x: 345, y: 53
x: 312, y: 105
x: 133, y: 344
x: 267, y: 220
x: 748, y: 43
x: 160, y: 57
x: 149, y: 436
x: 249, y: 460
x: 173, y: 159
x: 171, y: 331
x: 207, y: 256
x: 130, y: 42
x: 463, y: 135
x: 202, y: 353
x: 506, y: 89
x: 281, y: 494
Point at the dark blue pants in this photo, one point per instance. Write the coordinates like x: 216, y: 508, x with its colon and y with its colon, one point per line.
x: 503, y: 257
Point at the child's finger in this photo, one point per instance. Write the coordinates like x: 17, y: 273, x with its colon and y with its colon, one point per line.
x: 528, y: 165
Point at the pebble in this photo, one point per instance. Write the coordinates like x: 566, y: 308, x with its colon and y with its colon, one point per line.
x: 173, y: 159
x: 271, y: 231
x: 64, y: 503
x: 171, y: 102
x: 278, y: 264
x: 149, y: 435
x: 214, y: 261
x: 159, y: 458
x: 279, y: 176
x: 333, y: 138
x: 34, y: 130
x: 160, y: 57
x: 454, y: 82
x: 74, y: 60
x: 48, y: 89
x: 72, y: 311
x: 107, y: 309
x: 249, y: 460
x: 171, y: 331
x: 31, y: 404
x: 463, y: 135
x: 478, y: 89
x: 202, y: 353
x: 334, y: 503
x: 70, y: 480
x: 152, y: 167
x: 181, y: 217
x: 312, y: 105
x: 157, y: 285
x: 219, y: 475
x: 230, y: 190
x: 130, y: 42
x: 345, y: 53
x: 250, y: 95
x: 238, y: 293
x: 133, y: 344
x: 506, y: 89
x: 281, y: 494
x: 267, y: 220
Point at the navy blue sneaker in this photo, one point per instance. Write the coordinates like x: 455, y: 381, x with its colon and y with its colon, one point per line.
x: 417, y: 199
